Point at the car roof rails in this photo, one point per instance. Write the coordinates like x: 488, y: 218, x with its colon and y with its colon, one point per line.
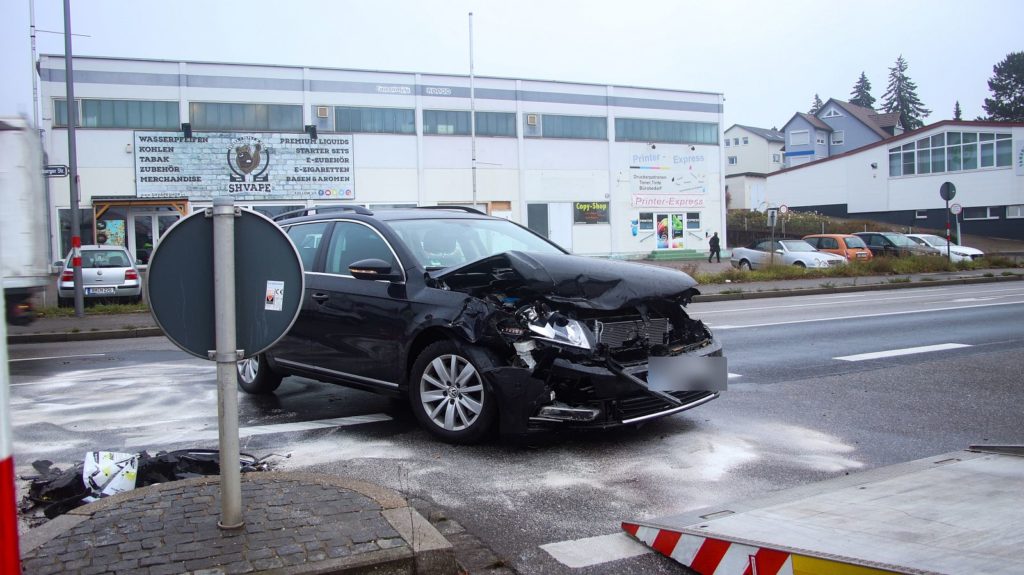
x: 466, y: 209
x: 322, y: 209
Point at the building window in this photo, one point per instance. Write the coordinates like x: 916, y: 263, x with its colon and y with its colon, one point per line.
x: 727, y: 142
x: 496, y: 124
x: 832, y: 113
x: 375, y: 120
x: 1015, y: 211
x: 250, y: 117
x: 985, y: 213
x: 574, y: 127
x: 952, y: 152
x: 85, y: 228
x: 693, y: 220
x: 445, y: 123
x: 799, y: 138
x: 838, y: 138
x: 735, y: 141
x: 732, y: 160
x: 667, y: 131
x: 921, y: 214
x: 819, y: 138
x: 777, y: 158
x: 128, y: 114
x: 746, y: 140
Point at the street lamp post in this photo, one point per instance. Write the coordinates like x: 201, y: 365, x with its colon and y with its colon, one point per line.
x: 72, y: 115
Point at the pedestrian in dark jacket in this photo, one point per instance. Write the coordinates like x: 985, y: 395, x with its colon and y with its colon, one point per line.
x: 716, y: 248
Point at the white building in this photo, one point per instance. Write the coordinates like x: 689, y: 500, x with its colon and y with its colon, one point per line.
x: 750, y: 155
x: 897, y: 180
x: 593, y: 167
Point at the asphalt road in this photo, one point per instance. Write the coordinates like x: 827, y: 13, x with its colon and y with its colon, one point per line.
x: 805, y: 403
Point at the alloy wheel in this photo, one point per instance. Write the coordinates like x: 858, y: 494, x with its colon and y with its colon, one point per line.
x: 452, y: 392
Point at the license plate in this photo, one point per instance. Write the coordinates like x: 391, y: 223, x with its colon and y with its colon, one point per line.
x: 687, y: 373
x: 100, y: 291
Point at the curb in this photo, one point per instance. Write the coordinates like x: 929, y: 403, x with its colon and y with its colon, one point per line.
x: 849, y: 289
x: 430, y: 550
x: 83, y: 335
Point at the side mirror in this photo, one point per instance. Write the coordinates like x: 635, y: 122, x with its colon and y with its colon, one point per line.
x: 779, y: 251
x: 374, y: 269
x: 59, y: 264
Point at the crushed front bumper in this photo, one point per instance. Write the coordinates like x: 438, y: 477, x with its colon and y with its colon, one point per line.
x: 613, y: 395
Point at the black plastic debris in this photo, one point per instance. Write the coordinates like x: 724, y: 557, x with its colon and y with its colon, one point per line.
x: 57, y: 491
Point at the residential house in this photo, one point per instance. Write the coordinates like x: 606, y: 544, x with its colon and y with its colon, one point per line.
x: 750, y: 154
x: 838, y: 127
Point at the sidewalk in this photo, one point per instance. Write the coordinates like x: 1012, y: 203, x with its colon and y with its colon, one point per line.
x: 295, y: 524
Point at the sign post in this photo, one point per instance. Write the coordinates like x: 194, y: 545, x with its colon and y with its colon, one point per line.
x: 956, y: 209
x: 947, y: 191
x: 773, y: 216
x: 225, y: 284
x: 10, y: 556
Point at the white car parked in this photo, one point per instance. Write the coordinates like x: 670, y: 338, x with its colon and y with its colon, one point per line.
x: 956, y: 253
x: 782, y: 252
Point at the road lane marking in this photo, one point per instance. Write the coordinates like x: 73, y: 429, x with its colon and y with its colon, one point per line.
x: 867, y: 315
x: 580, y: 553
x: 830, y: 302
x: 734, y: 375
x: 899, y: 352
x: 213, y: 434
x: 57, y: 357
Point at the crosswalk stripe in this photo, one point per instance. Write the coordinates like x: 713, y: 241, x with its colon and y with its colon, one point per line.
x: 579, y: 553
x: 213, y: 434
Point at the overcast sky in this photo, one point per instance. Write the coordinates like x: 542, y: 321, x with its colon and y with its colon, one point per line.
x: 769, y: 58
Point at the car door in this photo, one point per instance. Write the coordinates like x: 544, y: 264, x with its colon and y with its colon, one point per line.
x: 355, y: 326
x: 296, y: 347
x: 761, y: 254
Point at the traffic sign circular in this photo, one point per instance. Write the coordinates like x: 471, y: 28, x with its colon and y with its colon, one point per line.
x: 783, y: 209
x: 947, y: 191
x: 269, y: 283
x: 956, y: 209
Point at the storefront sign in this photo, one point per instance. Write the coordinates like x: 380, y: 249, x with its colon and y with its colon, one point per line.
x: 248, y: 166
x: 666, y: 201
x: 590, y: 212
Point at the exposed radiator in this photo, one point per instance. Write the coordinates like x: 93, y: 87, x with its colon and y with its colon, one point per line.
x: 616, y: 333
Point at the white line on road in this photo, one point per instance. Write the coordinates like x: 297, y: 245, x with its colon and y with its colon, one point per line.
x: 830, y: 302
x: 595, y: 550
x: 899, y: 352
x: 734, y: 375
x: 58, y: 357
x: 836, y: 318
x: 213, y: 434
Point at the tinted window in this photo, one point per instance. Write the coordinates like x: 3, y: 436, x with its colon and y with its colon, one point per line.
x: 352, y: 242
x: 828, y: 243
x: 816, y: 242
x: 854, y: 242
x: 306, y: 238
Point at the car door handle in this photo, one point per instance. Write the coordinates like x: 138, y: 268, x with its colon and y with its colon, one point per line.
x: 319, y: 296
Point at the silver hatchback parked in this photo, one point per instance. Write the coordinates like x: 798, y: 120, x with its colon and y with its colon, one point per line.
x: 108, y: 274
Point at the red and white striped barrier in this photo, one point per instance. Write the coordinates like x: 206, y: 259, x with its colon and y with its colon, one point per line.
x: 710, y: 556
x: 10, y: 557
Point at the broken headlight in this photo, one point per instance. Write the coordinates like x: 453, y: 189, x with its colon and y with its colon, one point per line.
x: 564, y: 331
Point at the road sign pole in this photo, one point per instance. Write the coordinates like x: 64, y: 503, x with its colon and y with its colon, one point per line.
x: 227, y: 357
x: 948, y: 256
x: 10, y: 557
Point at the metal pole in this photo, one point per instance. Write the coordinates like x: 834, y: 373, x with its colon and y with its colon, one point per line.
x: 72, y: 114
x: 959, y: 238
x: 948, y: 256
x: 10, y: 558
x: 472, y: 107
x: 227, y: 356
x: 35, y: 76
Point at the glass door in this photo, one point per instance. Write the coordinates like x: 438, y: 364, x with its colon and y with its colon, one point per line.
x: 147, y: 229
x: 671, y: 229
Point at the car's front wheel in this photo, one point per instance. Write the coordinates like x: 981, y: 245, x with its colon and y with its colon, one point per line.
x: 448, y: 393
x: 256, y: 377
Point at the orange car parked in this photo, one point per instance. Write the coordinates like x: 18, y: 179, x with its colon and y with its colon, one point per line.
x: 850, y: 247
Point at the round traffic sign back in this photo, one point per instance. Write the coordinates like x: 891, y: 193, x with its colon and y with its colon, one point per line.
x: 268, y: 283
x: 947, y: 191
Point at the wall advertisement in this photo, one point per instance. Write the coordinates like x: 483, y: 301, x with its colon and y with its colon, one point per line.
x: 668, y: 180
x: 247, y: 166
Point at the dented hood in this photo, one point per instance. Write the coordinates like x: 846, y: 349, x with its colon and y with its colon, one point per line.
x: 585, y: 282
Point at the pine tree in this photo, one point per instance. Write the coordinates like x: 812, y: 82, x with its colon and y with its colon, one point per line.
x: 957, y: 113
x: 1007, y: 87
x: 861, y: 94
x: 816, y: 105
x: 901, y: 96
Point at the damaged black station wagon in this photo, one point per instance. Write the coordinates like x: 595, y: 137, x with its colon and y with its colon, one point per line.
x: 479, y: 322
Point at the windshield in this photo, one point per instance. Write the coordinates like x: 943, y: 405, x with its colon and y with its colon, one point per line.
x: 103, y: 259
x: 900, y: 240
x: 854, y: 242
x: 797, y: 246
x: 451, y: 242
